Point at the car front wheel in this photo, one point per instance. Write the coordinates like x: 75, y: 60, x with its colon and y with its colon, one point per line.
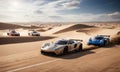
x: 65, y: 50
x: 80, y: 48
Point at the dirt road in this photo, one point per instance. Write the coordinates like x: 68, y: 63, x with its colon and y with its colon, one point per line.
x: 92, y: 59
x: 22, y: 54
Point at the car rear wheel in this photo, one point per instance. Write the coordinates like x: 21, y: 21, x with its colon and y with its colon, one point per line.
x: 18, y: 34
x: 7, y: 33
x: 38, y: 35
x: 29, y: 34
x: 107, y: 42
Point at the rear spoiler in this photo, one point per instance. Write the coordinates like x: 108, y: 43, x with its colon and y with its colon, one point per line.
x: 104, y: 35
x: 77, y: 40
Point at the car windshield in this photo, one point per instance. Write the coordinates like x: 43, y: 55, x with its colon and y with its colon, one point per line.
x: 61, y: 42
x: 13, y: 31
x: 34, y: 32
x: 99, y: 38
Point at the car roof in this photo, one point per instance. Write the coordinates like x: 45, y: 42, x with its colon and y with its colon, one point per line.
x: 99, y: 37
x: 63, y: 39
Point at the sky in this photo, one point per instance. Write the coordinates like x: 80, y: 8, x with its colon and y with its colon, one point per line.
x: 59, y: 10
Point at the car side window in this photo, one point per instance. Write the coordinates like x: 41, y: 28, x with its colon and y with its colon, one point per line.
x: 70, y: 42
x: 99, y: 38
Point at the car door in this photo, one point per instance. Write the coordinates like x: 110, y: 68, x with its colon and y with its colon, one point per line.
x: 71, y: 45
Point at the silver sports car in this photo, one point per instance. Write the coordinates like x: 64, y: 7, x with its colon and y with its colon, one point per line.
x: 62, y: 46
x: 34, y: 33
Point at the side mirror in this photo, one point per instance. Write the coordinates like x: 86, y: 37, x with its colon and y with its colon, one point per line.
x: 90, y: 39
x: 81, y: 40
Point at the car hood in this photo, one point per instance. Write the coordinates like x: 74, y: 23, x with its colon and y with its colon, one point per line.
x: 52, y: 47
x: 95, y: 40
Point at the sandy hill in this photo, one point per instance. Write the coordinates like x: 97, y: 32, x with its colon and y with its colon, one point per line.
x: 15, y: 26
x: 56, y: 29
x: 98, y: 31
x: 8, y: 26
x: 74, y: 27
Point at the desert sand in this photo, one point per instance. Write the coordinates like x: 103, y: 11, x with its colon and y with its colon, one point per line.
x: 22, y: 54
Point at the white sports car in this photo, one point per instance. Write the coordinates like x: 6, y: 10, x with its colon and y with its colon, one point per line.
x: 13, y: 33
x: 34, y: 33
x: 62, y: 46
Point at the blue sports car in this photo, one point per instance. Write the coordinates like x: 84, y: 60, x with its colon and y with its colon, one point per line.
x: 99, y: 40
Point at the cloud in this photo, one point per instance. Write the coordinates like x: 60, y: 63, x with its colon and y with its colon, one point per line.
x: 64, y: 4
x: 88, y: 17
x: 55, y: 17
x: 61, y: 4
x: 49, y: 11
x: 115, y: 15
x: 21, y: 10
x: 38, y: 12
x: 71, y: 4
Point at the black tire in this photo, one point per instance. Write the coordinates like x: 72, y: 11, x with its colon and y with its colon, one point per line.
x: 75, y: 45
x: 104, y: 44
x: 18, y: 34
x: 80, y: 48
x: 8, y: 34
x: 29, y: 34
x: 42, y: 52
x: 65, y: 51
x: 38, y: 35
x: 107, y: 42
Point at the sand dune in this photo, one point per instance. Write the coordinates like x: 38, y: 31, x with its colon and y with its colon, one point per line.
x: 97, y: 31
x: 41, y: 30
x: 56, y: 29
x: 8, y: 26
x: 89, y: 30
x: 67, y: 28
x: 74, y: 27
x: 4, y: 26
